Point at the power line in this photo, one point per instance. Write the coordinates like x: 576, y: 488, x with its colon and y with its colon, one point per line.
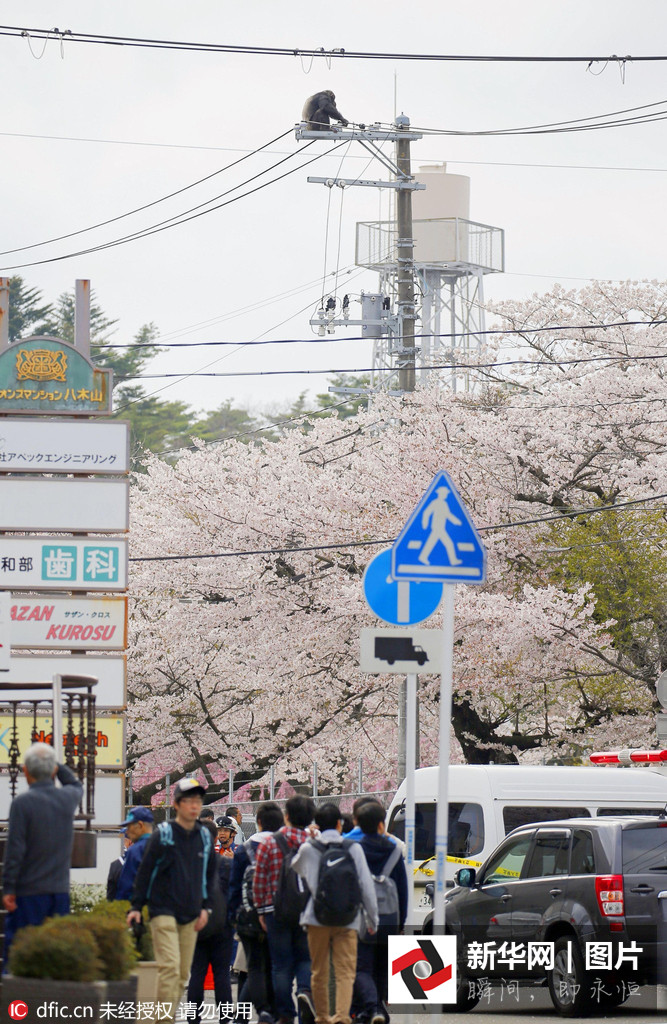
x: 340, y: 53
x: 592, y: 123
x: 351, y: 156
x: 147, y: 206
x: 174, y: 222
x: 554, y: 364
x: 460, y: 334
x: 372, y: 543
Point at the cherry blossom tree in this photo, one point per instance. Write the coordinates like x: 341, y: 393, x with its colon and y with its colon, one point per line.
x: 247, y: 596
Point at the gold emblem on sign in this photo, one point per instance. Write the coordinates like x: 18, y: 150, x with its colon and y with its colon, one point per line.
x: 41, y: 364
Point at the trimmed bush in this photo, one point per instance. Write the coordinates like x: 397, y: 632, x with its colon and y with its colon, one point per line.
x: 118, y: 910
x: 62, y: 948
x: 115, y: 945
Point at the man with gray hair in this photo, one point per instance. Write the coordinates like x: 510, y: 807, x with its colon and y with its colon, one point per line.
x: 35, y: 878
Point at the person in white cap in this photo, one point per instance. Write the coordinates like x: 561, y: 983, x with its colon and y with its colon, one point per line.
x: 176, y: 879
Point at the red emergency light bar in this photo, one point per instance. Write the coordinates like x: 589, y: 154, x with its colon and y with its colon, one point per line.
x: 628, y: 757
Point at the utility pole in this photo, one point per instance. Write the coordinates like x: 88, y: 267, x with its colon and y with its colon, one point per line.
x: 405, y: 259
x: 399, y: 327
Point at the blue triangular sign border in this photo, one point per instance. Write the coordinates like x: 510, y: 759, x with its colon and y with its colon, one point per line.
x: 440, y: 479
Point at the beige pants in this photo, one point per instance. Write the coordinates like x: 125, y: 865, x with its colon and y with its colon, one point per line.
x: 174, y: 946
x: 343, y: 945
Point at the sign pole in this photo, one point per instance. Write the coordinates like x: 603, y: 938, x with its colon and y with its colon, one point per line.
x: 410, y: 753
x: 442, y: 813
x: 57, y: 720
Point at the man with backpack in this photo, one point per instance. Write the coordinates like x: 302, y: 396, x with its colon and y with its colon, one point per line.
x: 279, y: 903
x: 243, y: 912
x: 387, y: 869
x: 176, y: 878
x: 342, y: 901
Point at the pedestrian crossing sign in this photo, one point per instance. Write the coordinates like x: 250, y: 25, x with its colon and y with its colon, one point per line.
x: 439, y: 542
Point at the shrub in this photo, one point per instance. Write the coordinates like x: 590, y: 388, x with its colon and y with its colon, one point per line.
x: 116, y: 948
x: 62, y: 948
x: 117, y: 909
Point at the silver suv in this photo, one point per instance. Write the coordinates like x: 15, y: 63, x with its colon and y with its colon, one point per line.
x: 570, y: 882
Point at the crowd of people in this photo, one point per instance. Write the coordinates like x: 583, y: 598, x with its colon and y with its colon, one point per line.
x: 302, y: 908
x: 298, y: 914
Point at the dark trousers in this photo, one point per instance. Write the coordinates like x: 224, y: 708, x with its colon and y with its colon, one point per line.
x: 290, y: 959
x: 33, y: 910
x: 370, y: 984
x: 216, y: 951
x: 259, y: 985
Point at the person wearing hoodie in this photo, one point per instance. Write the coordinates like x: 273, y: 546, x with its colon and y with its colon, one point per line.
x: 370, y: 986
x: 258, y: 987
x: 337, y: 942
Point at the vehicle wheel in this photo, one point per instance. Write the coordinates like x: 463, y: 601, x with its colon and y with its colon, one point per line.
x: 468, y: 991
x: 607, y: 1000
x: 569, y: 984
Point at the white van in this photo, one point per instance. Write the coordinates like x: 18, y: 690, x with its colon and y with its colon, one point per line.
x: 488, y: 801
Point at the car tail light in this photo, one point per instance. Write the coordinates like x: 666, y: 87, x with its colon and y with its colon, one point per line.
x: 609, y: 892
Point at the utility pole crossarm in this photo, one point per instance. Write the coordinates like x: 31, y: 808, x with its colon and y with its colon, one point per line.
x: 344, y: 182
x: 341, y: 134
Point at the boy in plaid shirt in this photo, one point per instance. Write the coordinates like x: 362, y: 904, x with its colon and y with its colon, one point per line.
x: 288, y: 946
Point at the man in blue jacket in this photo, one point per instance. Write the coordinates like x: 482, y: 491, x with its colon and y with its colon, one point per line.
x: 138, y: 828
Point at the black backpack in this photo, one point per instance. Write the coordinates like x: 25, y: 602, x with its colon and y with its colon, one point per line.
x: 247, y: 918
x: 338, y: 896
x: 291, y: 895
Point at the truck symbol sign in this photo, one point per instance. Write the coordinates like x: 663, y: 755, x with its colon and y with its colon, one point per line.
x: 399, y: 648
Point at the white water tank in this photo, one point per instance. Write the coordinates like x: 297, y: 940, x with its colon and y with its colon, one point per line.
x: 435, y: 210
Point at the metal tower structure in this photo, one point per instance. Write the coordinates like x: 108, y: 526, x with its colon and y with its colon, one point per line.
x: 451, y: 256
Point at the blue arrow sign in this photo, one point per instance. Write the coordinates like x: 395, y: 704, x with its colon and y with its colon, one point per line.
x: 439, y: 541
x: 400, y: 603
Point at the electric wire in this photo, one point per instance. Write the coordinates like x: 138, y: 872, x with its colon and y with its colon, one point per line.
x: 147, y: 206
x: 174, y: 222
x: 620, y: 506
x: 352, y: 156
x: 556, y: 364
x: 455, y: 335
x: 15, y: 31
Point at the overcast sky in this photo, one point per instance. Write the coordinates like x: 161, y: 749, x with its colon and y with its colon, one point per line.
x: 92, y: 132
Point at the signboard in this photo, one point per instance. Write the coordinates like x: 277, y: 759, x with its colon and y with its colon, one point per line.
x: 93, y: 623
x: 4, y: 633
x: 439, y: 541
x: 41, y: 668
x: 400, y: 650
x: 402, y: 604
x: 109, y: 737
x: 86, y: 506
x: 62, y: 563
x: 45, y: 375
x: 59, y: 446
x: 109, y: 798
